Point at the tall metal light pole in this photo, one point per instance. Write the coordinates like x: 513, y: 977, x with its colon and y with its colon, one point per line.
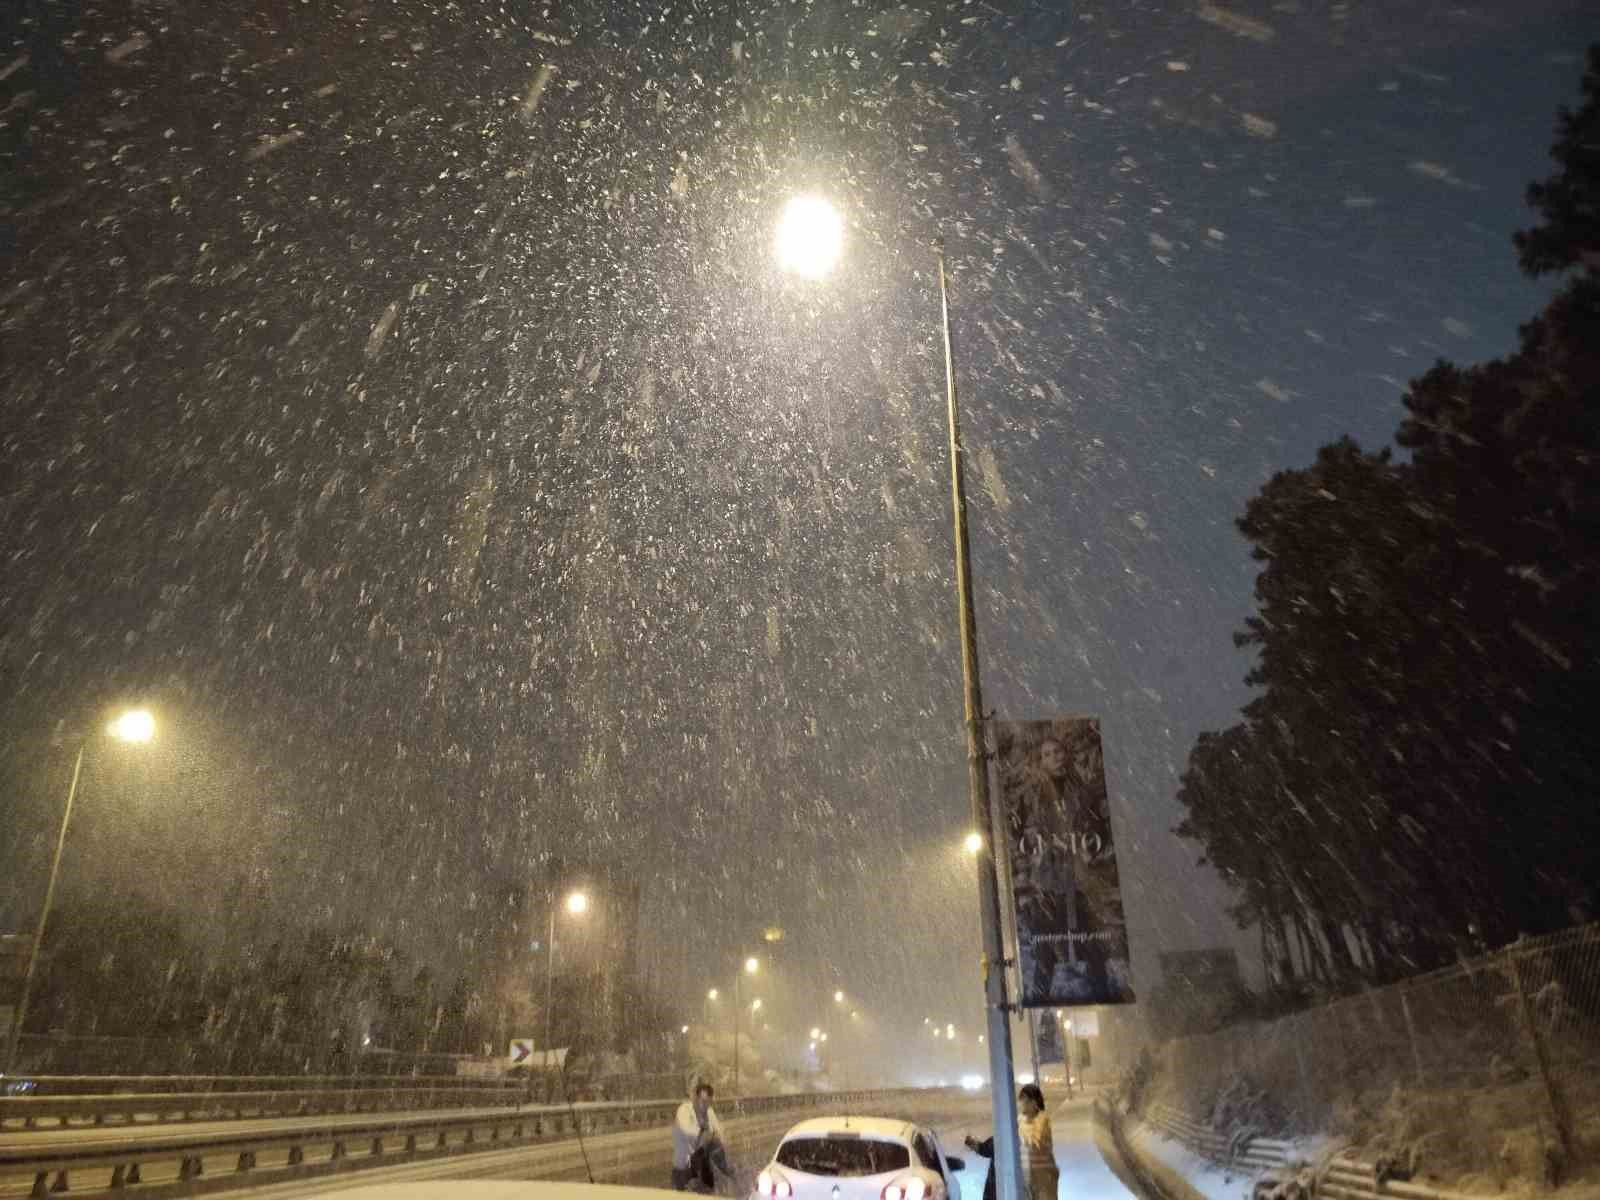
x: 136, y: 725
x: 1008, y: 1176
x: 577, y: 903
x: 810, y: 239
x: 749, y: 967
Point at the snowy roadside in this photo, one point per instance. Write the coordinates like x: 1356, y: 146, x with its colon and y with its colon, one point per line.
x: 1179, y: 1171
x: 1166, y: 1165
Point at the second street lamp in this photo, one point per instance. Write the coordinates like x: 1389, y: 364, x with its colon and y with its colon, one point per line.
x: 809, y: 243
x: 750, y: 967
x: 136, y: 726
x: 577, y: 903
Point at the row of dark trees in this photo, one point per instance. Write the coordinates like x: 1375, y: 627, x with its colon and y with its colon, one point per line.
x: 311, y: 1000
x: 1418, y: 777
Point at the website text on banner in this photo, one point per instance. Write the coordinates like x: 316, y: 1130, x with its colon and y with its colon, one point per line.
x: 1072, y: 934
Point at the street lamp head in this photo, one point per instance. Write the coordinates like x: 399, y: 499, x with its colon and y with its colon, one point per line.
x: 712, y: 994
x: 838, y: 997
x: 810, y: 237
x: 755, y: 1005
x: 751, y: 965
x: 815, y: 1034
x: 974, y: 842
x: 577, y: 903
x: 685, y: 1029
x: 135, y: 725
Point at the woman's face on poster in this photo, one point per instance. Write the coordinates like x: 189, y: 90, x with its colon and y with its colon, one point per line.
x: 1053, y: 758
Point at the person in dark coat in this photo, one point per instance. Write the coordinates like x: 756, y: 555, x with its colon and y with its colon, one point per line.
x: 984, y: 1149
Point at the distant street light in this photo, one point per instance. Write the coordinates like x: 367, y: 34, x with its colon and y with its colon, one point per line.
x: 136, y: 726
x: 685, y: 1029
x: 816, y: 1033
x: 752, y: 965
x: 838, y: 997
x: 810, y: 239
x: 712, y: 995
x: 577, y: 904
x: 755, y: 1005
x: 974, y: 842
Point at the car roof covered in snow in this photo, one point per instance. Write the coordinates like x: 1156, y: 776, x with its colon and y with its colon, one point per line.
x: 882, y: 1128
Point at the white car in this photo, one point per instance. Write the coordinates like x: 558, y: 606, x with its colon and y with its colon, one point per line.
x: 859, y: 1158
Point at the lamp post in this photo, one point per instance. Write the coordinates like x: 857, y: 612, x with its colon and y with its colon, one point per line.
x: 809, y: 242
x: 750, y: 966
x: 137, y: 726
x: 577, y: 904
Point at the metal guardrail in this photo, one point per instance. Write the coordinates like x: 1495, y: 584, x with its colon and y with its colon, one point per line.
x: 158, y: 1108
x: 1254, y: 1153
x: 374, y: 1141
x: 1282, y: 1173
x: 99, y: 1085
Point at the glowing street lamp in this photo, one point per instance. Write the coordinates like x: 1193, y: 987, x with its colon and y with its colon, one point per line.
x: 576, y: 904
x: 712, y: 995
x: 816, y: 1033
x: 752, y: 966
x: 838, y: 997
x: 810, y: 237
x: 974, y: 842
x: 136, y: 726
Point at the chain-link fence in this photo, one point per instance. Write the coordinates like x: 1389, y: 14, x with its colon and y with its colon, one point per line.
x: 1506, y: 1042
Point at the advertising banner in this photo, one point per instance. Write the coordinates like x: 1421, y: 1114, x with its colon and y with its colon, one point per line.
x: 1052, y: 1049
x: 1072, y: 935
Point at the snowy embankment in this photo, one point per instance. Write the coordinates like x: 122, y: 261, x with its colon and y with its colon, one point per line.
x: 1179, y: 1160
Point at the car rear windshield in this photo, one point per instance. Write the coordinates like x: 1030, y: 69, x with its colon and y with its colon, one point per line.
x: 836, y: 1155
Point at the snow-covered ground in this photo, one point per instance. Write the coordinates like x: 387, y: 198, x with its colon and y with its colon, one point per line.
x: 1084, y: 1174
x: 1202, y: 1175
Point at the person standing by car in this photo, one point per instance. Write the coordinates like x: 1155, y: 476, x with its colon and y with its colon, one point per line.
x: 1040, y: 1174
x: 983, y: 1149
x: 697, y: 1145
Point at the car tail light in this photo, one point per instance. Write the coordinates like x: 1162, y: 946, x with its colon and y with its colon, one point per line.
x: 774, y: 1187
x: 911, y: 1187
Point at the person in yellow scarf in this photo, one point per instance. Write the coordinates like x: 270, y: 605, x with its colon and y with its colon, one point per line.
x: 1039, y: 1172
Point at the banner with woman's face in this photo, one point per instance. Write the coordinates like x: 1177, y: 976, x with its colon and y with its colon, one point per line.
x: 1072, y: 935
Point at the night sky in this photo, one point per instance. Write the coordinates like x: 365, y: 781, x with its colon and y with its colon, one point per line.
x: 403, y: 401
